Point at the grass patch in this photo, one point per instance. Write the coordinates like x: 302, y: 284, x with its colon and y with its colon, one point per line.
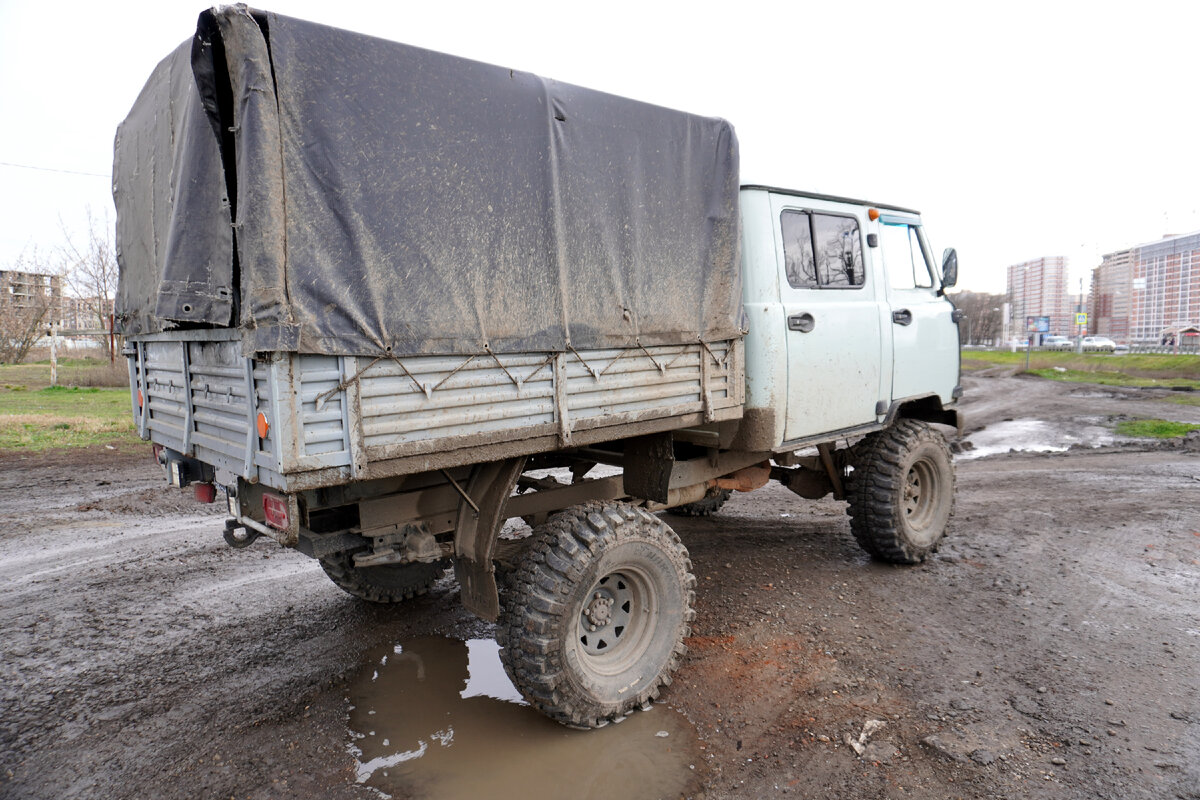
x: 64, y: 417
x: 1110, y: 378
x: 71, y: 372
x: 1154, y: 428
x: 1141, y: 369
x: 1184, y: 399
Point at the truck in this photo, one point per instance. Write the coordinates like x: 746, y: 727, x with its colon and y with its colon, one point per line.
x: 406, y: 312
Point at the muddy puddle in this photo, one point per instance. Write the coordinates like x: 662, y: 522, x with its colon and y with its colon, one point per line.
x: 438, y: 718
x: 1035, y: 436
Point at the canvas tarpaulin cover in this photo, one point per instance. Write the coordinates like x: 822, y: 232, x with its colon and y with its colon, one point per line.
x: 330, y: 192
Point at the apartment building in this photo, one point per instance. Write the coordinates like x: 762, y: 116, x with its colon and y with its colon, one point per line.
x: 33, y: 290
x: 1141, y: 294
x: 1108, y: 305
x: 1038, y: 288
x: 1165, y: 287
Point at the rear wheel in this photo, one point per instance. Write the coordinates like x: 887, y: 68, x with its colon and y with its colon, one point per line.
x: 592, y: 623
x: 388, y: 583
x: 901, y: 492
x: 709, y: 505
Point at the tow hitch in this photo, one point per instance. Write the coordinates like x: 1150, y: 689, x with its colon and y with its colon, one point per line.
x: 239, y: 536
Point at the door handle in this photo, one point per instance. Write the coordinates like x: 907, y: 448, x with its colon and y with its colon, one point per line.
x: 801, y: 322
x: 902, y: 317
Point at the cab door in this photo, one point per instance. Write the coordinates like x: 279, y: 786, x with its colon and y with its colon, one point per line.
x: 924, y: 334
x: 832, y: 310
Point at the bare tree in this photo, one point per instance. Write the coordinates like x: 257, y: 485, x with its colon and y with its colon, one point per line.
x: 27, y: 295
x: 982, y: 322
x: 90, y: 269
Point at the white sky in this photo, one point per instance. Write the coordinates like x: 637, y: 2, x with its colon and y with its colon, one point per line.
x: 1019, y: 129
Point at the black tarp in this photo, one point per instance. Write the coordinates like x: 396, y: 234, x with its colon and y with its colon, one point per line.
x: 387, y: 198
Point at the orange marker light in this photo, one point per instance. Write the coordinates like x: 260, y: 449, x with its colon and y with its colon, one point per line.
x: 263, y: 427
x: 873, y: 214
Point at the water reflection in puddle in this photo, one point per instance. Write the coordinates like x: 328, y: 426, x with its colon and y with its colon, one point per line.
x: 439, y: 718
x: 1034, y: 436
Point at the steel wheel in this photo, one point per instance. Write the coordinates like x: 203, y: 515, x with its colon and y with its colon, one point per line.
x: 592, y: 623
x: 901, y: 492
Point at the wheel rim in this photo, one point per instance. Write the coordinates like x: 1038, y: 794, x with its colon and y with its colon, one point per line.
x: 920, y: 497
x: 616, y: 621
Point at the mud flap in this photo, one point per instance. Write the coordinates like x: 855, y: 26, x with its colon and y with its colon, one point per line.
x: 480, y: 515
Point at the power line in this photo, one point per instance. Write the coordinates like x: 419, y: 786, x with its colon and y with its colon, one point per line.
x: 50, y: 169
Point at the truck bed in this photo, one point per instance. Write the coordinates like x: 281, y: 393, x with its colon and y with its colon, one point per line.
x: 333, y: 419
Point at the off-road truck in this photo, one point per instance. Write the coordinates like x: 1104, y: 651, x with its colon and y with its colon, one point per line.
x: 382, y: 300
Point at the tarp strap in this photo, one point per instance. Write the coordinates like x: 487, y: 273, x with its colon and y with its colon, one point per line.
x: 720, y: 362
x: 661, y: 368
x: 428, y: 390
x: 586, y: 365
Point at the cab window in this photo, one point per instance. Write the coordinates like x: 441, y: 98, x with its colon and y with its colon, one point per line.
x: 822, y: 251
x: 903, y: 258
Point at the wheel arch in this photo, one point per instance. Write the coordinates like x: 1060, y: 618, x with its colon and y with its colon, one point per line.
x: 926, y: 408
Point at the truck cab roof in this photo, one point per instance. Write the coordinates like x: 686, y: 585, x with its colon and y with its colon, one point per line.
x: 830, y: 197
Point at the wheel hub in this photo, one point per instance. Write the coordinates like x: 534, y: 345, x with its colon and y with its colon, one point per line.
x: 599, y: 611
x: 606, y: 617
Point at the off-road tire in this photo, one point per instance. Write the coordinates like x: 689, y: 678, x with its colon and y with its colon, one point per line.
x: 592, y: 622
x: 709, y: 505
x: 389, y: 583
x: 901, y: 492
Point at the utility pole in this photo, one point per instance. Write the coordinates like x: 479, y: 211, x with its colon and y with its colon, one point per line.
x: 1079, y: 310
x: 54, y: 352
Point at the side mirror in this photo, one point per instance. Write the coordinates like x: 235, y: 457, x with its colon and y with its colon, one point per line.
x: 949, y: 268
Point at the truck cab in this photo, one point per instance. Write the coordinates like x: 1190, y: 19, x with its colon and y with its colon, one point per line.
x: 849, y: 325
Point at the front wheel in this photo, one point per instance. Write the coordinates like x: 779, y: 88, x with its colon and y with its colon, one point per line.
x: 593, y: 621
x: 901, y: 492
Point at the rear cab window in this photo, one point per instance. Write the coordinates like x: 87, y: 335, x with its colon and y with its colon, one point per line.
x: 822, y: 250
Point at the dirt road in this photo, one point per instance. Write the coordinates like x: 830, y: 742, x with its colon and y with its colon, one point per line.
x: 1051, y: 649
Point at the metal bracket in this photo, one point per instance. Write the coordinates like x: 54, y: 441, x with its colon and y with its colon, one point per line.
x: 144, y: 416
x: 251, y: 425
x: 189, y: 419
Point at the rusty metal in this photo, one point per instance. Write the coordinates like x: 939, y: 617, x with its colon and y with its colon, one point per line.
x: 747, y: 479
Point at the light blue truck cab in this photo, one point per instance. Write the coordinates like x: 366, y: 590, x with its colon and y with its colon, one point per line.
x: 849, y: 326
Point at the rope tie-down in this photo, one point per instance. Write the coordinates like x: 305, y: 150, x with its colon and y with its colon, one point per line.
x: 428, y: 389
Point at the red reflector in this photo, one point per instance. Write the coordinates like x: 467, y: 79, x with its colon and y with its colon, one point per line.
x: 276, y: 509
x: 204, y: 492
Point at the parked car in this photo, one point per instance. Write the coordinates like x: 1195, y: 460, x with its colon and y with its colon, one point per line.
x: 1099, y: 343
x: 1057, y: 343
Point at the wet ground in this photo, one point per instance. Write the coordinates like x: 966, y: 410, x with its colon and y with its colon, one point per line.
x: 1051, y: 649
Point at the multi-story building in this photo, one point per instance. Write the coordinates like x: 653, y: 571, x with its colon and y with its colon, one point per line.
x: 1164, y: 287
x: 34, y: 290
x: 1038, y: 288
x: 1112, y: 282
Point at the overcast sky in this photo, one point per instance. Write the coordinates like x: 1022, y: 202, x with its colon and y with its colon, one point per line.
x: 1019, y: 129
